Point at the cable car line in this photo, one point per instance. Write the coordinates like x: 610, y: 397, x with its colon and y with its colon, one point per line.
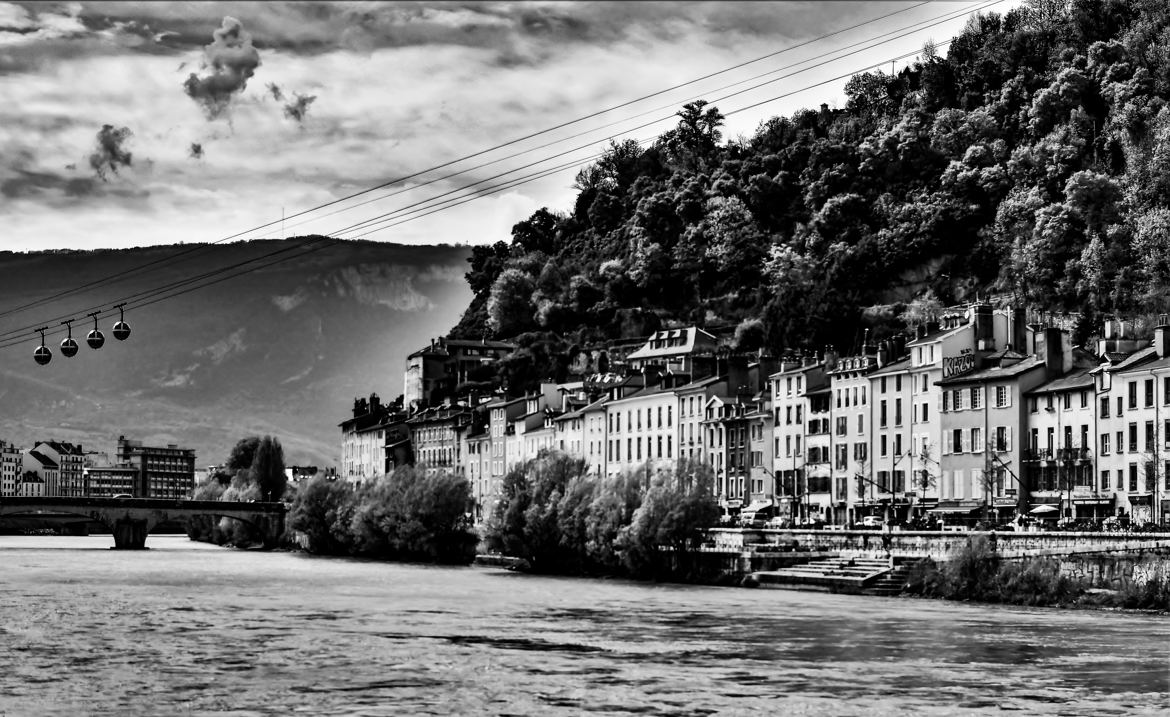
x: 917, y: 27
x: 387, y: 220
x: 148, y: 297
x: 204, y: 247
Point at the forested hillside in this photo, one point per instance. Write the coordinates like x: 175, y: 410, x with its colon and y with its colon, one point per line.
x: 1032, y: 163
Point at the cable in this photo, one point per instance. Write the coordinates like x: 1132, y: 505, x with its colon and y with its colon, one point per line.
x: 147, y: 298
x: 909, y: 30
x: 201, y: 248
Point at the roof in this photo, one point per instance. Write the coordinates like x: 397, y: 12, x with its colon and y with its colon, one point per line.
x: 504, y: 402
x: 994, y: 373
x: 1077, y: 379
x: 902, y: 364
x: 44, y: 460
x: 672, y: 342
x: 644, y: 393
x: 701, y: 383
x: 1149, y: 362
x: 936, y: 335
x: 1135, y: 359
x: 580, y: 411
x: 799, y: 368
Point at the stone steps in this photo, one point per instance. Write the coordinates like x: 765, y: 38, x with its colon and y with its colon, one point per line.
x: 842, y: 574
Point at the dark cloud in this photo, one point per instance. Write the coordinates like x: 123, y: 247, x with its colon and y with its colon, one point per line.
x: 229, y: 62
x: 111, y: 152
x: 28, y: 184
x: 196, y: 151
x: 297, y: 109
x: 275, y: 91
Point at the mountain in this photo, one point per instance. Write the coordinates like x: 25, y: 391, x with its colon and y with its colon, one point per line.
x: 282, y: 350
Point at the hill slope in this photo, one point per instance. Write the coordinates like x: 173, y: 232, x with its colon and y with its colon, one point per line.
x: 281, y: 351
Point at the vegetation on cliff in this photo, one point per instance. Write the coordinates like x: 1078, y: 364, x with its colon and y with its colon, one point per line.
x: 1031, y: 162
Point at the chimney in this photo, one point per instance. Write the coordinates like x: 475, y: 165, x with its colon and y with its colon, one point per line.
x: 1019, y: 335
x: 883, y: 353
x: 898, y: 346
x: 1054, y: 351
x: 984, y: 328
x: 1162, y: 337
x: 738, y: 380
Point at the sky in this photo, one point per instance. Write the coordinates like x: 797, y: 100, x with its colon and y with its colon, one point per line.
x: 133, y: 124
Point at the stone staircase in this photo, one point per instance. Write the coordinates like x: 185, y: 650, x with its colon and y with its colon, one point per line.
x: 857, y: 575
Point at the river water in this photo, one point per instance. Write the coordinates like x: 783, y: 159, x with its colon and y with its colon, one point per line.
x: 191, y: 629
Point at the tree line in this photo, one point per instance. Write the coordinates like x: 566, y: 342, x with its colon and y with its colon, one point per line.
x: 1031, y: 163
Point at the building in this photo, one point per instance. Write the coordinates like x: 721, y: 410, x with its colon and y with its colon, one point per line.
x: 434, y: 373
x: 435, y: 437
x: 690, y: 351
x: 801, y: 438
x: 70, y: 460
x: 374, y: 440
x: 11, y: 468
x: 43, y: 467
x: 849, y: 393
x: 501, y: 414
x: 108, y: 481
x: 167, y: 472
x: 1060, y: 455
x: 641, y: 430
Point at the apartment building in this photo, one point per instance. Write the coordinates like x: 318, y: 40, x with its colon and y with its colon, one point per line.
x: 163, y: 472
x: 70, y: 460
x: 11, y: 468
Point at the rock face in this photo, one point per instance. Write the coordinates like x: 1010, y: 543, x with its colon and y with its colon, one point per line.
x: 282, y: 350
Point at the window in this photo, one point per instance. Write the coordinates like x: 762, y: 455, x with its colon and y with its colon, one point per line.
x: 1033, y: 405
x: 946, y: 401
x: 976, y: 440
x: 957, y: 399
x: 1120, y: 405
x: 1133, y: 476
x: 925, y: 412
x: 1002, y: 397
x: 898, y: 383
x: 842, y: 425
x: 897, y: 411
x: 1133, y: 438
x: 860, y: 424
x: 977, y: 397
x: 1132, y: 394
x: 882, y: 422
x: 1120, y: 479
x: 859, y: 452
x: 787, y: 415
x: 1105, y: 448
x: 1084, y: 399
x: 1067, y: 401
x: 1150, y: 438
x: 841, y: 457
x: 1104, y: 480
x: 883, y: 384
x: 882, y: 449
x: 1104, y: 407
x: 1120, y: 442
x: 1149, y: 386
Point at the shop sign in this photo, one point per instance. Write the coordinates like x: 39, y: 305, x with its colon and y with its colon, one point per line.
x: 955, y: 365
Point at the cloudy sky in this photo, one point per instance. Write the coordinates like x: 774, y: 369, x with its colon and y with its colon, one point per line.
x: 130, y: 124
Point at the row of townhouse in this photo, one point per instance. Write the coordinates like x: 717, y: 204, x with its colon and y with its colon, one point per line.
x: 980, y: 413
x: 63, y: 469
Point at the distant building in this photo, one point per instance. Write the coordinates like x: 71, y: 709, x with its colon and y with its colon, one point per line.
x: 111, y: 480
x: 11, y: 468
x: 690, y: 351
x: 70, y: 460
x: 44, y: 468
x: 161, y: 472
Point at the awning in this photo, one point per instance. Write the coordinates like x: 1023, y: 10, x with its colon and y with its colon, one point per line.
x: 758, y: 505
x: 1043, y: 509
x: 1092, y: 501
x: 955, y: 507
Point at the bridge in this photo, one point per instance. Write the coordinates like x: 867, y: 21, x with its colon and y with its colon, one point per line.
x: 132, y: 519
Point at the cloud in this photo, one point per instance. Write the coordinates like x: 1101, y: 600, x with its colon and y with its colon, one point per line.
x: 275, y: 91
x: 110, y: 153
x: 196, y: 151
x: 297, y: 109
x: 228, y: 63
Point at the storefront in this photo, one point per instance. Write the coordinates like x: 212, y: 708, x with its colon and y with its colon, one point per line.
x: 1093, y: 508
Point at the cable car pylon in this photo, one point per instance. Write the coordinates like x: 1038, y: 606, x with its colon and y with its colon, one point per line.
x: 42, y: 355
x: 68, y: 346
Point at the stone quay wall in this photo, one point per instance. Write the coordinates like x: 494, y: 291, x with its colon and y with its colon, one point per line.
x: 1094, y: 559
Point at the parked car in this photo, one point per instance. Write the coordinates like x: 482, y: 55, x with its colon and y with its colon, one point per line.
x: 779, y: 523
x: 871, y: 521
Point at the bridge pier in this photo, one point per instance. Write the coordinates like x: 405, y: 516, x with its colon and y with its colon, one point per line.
x: 130, y: 534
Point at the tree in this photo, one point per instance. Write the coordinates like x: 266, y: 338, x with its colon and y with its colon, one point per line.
x: 268, y: 468
x: 243, y: 453
x: 509, y: 307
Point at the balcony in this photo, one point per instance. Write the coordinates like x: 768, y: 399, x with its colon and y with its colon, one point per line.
x: 1074, y: 454
x: 1037, y: 454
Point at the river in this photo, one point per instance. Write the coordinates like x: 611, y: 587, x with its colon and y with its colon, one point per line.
x: 191, y: 629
